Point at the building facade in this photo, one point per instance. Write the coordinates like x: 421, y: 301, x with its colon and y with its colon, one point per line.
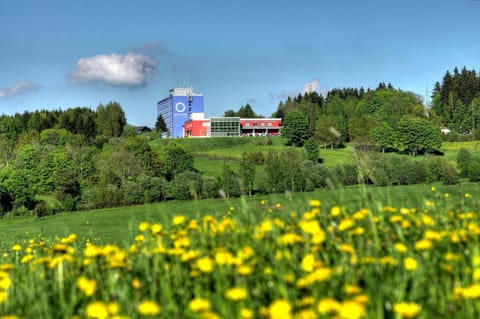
x: 180, y: 106
x: 232, y: 126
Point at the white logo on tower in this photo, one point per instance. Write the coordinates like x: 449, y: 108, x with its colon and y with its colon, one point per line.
x: 180, y: 107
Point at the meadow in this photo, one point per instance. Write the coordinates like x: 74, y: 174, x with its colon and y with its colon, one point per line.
x: 360, y: 252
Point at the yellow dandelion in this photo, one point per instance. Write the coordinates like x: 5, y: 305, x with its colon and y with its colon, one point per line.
x: 97, y: 310
x: 155, y: 229
x: 246, y: 313
x: 205, y: 264
x: 16, y: 247
x: 280, y: 309
x: 244, y: 270
x: 3, y: 296
x: 179, y: 219
x: 199, y: 305
x: 308, y: 262
x: 351, y: 310
x: 87, y: 286
x: 335, y: 211
x: 143, y: 226
x: 236, y: 294
x: 345, y: 224
x: 423, y: 244
x: 148, y: 308
x: 407, y: 309
x: 410, y: 263
x: 328, y: 305
x: 400, y: 247
x: 314, y: 203
x: 310, y: 226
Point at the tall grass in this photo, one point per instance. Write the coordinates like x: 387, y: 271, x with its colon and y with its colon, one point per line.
x: 362, y: 252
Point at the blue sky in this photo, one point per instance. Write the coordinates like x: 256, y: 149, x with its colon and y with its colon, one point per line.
x: 62, y: 54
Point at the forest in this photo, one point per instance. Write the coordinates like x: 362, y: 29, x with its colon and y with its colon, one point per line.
x: 79, y: 158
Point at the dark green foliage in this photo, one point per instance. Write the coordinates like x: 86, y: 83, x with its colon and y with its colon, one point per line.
x: 160, y: 124
x: 80, y: 120
x: 417, y: 135
x: 247, y: 172
x: 474, y: 170
x: 384, y: 136
x: 450, y: 175
x: 245, y: 111
x: 407, y: 173
x: 347, y: 174
x: 229, y: 183
x: 454, y: 99
x: 311, y: 149
x: 177, y: 160
x: 296, y: 128
x: 464, y: 158
x: 187, y: 185
x: 110, y: 120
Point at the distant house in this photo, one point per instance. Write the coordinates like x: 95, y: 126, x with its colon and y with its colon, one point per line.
x: 445, y: 130
x: 142, y: 129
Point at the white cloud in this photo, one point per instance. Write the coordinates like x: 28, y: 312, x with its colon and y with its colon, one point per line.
x: 20, y: 87
x: 130, y: 70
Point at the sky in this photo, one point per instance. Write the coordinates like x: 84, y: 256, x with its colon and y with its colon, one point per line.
x: 63, y: 54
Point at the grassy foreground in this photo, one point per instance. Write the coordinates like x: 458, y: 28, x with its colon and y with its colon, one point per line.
x: 396, y: 252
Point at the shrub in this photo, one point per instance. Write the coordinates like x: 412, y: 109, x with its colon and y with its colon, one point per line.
x: 450, y: 175
x: 464, y: 158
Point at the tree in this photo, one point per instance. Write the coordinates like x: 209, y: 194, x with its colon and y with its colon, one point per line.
x: 417, y: 135
x: 79, y: 120
x: 110, y: 120
x: 177, y: 160
x: 384, y: 136
x: 247, y: 172
x: 246, y: 111
x: 311, y: 149
x: 326, y: 131
x: 160, y: 125
x: 296, y: 128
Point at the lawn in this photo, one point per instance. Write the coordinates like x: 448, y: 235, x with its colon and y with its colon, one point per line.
x: 361, y: 252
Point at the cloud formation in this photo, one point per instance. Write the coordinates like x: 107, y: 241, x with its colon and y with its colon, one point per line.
x: 20, y: 87
x: 130, y: 70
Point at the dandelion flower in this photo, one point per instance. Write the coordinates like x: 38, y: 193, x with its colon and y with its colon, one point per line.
x: 328, y: 305
x: 351, y: 310
x: 87, y: 286
x: 148, y: 308
x: 205, y: 264
x: 97, y: 310
x: 236, y: 294
x: 406, y: 309
x: 280, y: 309
x: 410, y: 264
x: 199, y: 305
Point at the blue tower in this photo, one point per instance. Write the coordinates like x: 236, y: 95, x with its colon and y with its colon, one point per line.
x: 181, y: 105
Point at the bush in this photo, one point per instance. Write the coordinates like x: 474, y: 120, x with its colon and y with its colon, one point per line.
x: 347, y: 174
x: 435, y: 168
x: 464, y: 158
x: 450, y: 175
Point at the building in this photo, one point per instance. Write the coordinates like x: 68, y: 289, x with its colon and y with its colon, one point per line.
x: 232, y: 126
x: 180, y: 106
x: 261, y: 126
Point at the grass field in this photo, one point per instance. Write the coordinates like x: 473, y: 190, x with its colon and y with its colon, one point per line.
x: 211, y: 153
x: 117, y: 225
x: 362, y: 252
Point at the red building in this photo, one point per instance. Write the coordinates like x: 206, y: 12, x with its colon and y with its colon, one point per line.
x: 196, y: 128
x: 260, y: 126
